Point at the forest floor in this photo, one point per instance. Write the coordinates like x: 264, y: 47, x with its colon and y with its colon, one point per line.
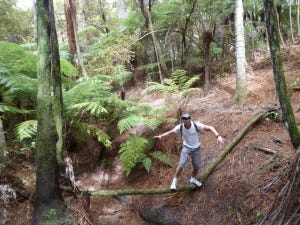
x: 239, y: 191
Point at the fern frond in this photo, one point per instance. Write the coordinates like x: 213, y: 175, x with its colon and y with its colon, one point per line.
x: 159, y: 88
x: 12, y: 109
x: 162, y: 158
x: 93, y: 108
x: 180, y: 77
x: 26, y: 130
x: 189, y: 83
x: 191, y: 92
x: 132, y: 153
x: 128, y: 123
x: 147, y: 164
x: 82, y: 130
x: 103, y: 138
x: 152, y: 123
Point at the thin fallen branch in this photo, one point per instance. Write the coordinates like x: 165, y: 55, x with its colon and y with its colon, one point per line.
x: 266, y: 150
x: 205, y: 175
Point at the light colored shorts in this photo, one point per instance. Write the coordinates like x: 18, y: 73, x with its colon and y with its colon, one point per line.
x: 194, y: 153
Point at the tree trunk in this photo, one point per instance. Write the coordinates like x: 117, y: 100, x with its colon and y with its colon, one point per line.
x: 291, y: 20
x: 208, y: 171
x: 241, y: 82
x: 281, y: 87
x: 3, y: 145
x: 48, y: 207
x: 207, y: 39
x: 298, y: 19
x: 70, y: 11
x: 160, y: 61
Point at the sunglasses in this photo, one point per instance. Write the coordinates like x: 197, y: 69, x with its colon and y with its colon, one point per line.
x: 185, y: 118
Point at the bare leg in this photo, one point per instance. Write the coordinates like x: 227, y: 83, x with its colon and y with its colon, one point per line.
x: 178, y: 172
x: 195, y: 172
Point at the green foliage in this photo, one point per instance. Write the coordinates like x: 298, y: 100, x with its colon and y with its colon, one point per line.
x: 162, y: 158
x: 16, y: 24
x: 17, y: 60
x: 112, y: 49
x: 26, y: 132
x: 12, y: 109
x: 121, y: 75
x: 133, y: 152
x: 93, y: 108
x: 179, y: 82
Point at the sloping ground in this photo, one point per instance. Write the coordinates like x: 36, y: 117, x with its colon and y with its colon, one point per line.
x: 240, y: 189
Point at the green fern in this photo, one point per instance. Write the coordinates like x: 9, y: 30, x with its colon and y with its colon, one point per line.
x: 93, y: 108
x: 132, y: 152
x: 12, y: 109
x: 162, y: 158
x: 26, y: 130
x: 129, y: 122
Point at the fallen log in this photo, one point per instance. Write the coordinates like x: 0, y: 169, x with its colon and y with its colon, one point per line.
x: 204, y: 176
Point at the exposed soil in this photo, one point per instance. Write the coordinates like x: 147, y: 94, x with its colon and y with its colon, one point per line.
x: 239, y: 191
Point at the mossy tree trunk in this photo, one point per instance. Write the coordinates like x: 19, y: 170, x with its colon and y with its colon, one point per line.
x: 281, y: 87
x: 49, y: 207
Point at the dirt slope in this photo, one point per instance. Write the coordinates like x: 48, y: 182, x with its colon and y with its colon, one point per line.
x: 243, y: 186
x: 239, y: 191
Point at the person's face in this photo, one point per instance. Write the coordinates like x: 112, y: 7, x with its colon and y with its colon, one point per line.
x: 186, y: 121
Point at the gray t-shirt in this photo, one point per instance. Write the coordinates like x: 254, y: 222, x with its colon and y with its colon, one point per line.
x: 190, y: 136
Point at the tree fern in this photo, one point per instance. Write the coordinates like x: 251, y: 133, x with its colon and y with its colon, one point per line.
x: 133, y: 152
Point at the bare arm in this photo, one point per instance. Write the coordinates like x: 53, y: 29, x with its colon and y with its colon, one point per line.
x: 220, y: 139
x: 164, y: 134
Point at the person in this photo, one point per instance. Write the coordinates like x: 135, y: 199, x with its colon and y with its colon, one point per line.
x: 191, y: 146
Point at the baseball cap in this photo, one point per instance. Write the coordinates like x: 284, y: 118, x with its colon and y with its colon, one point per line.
x: 185, y: 115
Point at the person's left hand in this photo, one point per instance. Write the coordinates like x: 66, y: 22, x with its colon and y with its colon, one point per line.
x: 220, y: 139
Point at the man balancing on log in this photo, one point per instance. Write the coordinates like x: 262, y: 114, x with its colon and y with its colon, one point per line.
x: 191, y: 145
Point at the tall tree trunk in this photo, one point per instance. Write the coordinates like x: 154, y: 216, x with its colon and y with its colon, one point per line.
x: 207, y: 39
x: 70, y: 12
x: 241, y: 83
x: 3, y: 145
x: 298, y: 19
x: 70, y: 9
x: 281, y: 88
x: 291, y: 20
x: 103, y: 16
x: 49, y: 207
x: 278, y: 13
x: 160, y: 61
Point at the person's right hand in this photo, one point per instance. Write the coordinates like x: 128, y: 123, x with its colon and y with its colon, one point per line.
x: 158, y: 136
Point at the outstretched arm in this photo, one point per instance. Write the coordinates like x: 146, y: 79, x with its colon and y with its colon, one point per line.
x: 220, y: 139
x: 164, y: 134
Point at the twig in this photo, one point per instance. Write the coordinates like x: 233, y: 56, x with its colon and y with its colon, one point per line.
x: 267, y: 150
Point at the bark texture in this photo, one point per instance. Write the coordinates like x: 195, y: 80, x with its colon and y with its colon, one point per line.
x: 241, y: 82
x: 49, y: 207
